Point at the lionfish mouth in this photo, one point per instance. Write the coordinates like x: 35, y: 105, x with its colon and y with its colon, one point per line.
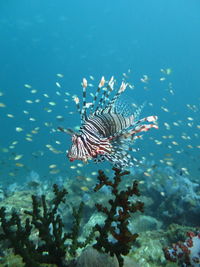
x: 81, y: 158
x: 107, y: 130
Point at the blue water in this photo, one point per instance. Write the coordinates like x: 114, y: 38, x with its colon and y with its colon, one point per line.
x: 40, y: 39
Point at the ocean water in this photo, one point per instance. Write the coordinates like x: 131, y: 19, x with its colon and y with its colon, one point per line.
x: 46, y: 49
x: 101, y: 38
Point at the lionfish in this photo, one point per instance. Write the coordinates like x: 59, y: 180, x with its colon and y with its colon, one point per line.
x: 107, y: 131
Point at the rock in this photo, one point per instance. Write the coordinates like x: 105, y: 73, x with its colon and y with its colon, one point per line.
x: 94, y: 219
x: 144, y: 223
x: 149, y: 251
x: 90, y: 257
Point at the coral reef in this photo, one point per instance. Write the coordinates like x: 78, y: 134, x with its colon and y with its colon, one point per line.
x: 39, y: 235
x: 143, y: 223
x: 45, y: 224
x: 117, y: 217
x: 172, y: 192
x: 52, y: 248
x: 185, y: 253
x: 180, y: 194
x: 148, y: 249
x: 75, y: 232
x: 90, y: 257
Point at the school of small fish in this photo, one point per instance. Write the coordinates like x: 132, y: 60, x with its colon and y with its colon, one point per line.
x: 177, y: 143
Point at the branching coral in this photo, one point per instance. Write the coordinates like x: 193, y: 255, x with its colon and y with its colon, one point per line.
x: 45, y: 220
x: 116, y: 223
x: 52, y: 245
x: 19, y: 238
x: 75, y: 232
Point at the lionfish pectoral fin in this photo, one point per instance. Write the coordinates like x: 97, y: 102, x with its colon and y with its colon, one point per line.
x: 67, y: 131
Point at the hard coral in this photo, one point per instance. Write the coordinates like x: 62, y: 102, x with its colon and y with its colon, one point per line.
x: 117, y: 221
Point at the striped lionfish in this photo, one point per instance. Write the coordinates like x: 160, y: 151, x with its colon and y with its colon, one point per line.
x: 106, y: 131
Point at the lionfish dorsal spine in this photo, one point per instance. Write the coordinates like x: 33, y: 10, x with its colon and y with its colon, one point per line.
x: 107, y: 92
x: 77, y: 102
x: 105, y: 95
x: 101, y: 84
x: 83, y: 111
x: 111, y: 104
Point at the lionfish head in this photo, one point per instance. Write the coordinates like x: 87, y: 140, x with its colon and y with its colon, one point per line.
x: 77, y: 150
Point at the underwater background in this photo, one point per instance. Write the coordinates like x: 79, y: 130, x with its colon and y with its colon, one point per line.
x: 46, y: 49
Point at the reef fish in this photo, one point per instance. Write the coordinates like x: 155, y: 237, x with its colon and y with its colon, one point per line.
x: 107, y: 131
